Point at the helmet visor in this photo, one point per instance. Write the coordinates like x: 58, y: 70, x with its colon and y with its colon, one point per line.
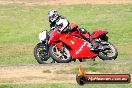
x: 52, y: 18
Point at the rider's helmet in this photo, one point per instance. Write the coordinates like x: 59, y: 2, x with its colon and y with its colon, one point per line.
x: 53, y: 15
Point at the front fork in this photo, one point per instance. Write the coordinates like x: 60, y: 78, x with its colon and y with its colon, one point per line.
x: 47, y: 46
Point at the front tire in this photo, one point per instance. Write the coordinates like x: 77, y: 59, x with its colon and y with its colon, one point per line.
x: 108, y: 53
x: 63, y: 56
x: 39, y: 55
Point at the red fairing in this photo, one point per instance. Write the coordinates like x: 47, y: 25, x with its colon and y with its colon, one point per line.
x: 54, y: 36
x: 75, y: 34
x: 78, y: 47
x: 98, y: 33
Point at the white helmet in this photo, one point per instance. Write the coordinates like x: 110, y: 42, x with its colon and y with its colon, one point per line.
x: 53, y: 15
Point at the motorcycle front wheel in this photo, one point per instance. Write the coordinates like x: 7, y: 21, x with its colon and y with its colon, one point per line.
x: 109, y: 52
x: 62, y: 56
x: 40, y: 54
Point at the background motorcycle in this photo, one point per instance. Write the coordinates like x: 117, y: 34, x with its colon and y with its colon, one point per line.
x: 64, y: 48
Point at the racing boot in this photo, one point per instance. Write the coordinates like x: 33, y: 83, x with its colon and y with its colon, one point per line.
x: 93, y: 44
x: 85, y: 34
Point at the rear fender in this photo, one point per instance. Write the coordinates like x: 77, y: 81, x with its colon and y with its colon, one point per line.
x: 98, y: 33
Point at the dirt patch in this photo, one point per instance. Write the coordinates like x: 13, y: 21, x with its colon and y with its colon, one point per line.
x: 53, y: 2
x: 35, y: 74
x: 38, y: 74
x: 56, y: 73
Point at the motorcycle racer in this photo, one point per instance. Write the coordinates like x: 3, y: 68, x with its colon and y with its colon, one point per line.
x: 58, y: 21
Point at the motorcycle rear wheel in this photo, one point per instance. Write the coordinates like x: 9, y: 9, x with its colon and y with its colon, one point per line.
x: 110, y: 53
x: 60, y: 56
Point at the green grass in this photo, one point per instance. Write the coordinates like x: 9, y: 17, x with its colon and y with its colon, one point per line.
x: 65, y: 86
x: 21, y: 24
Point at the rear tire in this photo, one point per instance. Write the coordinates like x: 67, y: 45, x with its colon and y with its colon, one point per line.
x: 103, y: 55
x: 58, y: 56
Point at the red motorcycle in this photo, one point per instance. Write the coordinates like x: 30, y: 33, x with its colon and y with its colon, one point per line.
x: 67, y: 47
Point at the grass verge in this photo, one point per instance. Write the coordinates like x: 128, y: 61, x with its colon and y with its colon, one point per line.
x: 21, y: 24
x: 65, y: 86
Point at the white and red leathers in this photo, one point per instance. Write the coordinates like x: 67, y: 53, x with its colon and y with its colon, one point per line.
x: 61, y: 23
